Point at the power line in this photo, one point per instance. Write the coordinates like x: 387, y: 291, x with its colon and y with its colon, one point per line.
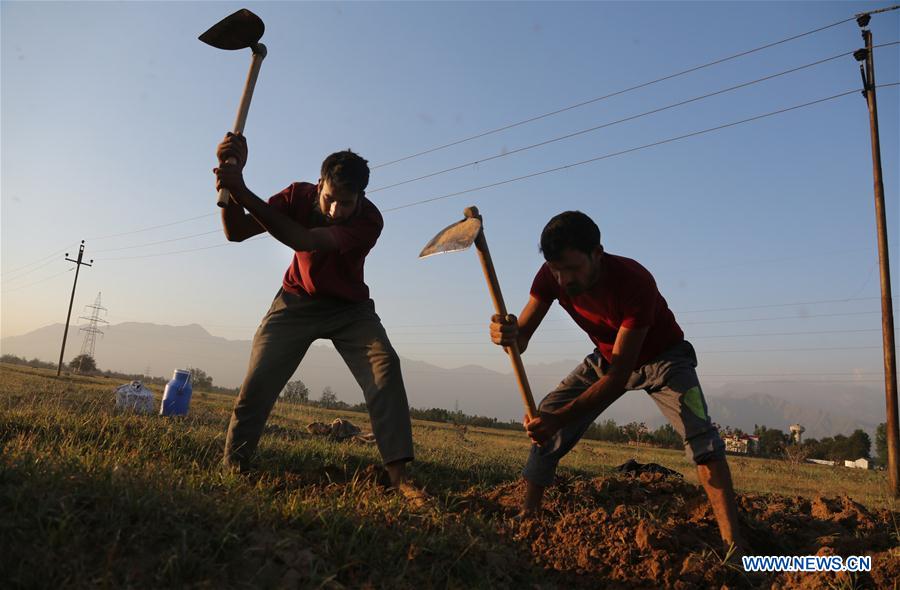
x: 486, y: 342
x: 703, y: 376
x: 127, y: 233
x: 164, y: 253
x: 394, y: 329
x: 215, y: 231
x: 576, y: 327
x: 634, y: 149
x: 811, y: 380
x: 616, y: 122
x: 741, y: 308
x: 177, y: 251
x: 53, y: 255
x: 784, y: 317
x: 485, y: 186
x: 137, y: 231
x: 788, y: 333
x: 617, y: 93
x: 531, y: 353
x: 394, y: 332
x: 28, y: 272
x: 770, y: 305
x: 683, y: 72
x: 789, y: 349
x: 45, y: 279
x: 879, y: 11
x: 769, y: 260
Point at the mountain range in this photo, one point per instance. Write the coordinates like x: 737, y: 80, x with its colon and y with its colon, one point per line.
x: 142, y: 348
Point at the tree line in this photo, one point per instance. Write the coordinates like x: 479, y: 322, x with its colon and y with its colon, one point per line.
x: 665, y: 436
x: 858, y: 445
x: 773, y: 442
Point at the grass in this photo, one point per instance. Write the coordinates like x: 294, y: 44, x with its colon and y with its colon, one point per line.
x: 93, y: 498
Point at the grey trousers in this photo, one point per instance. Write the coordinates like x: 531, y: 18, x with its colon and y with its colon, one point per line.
x: 670, y: 379
x: 285, y: 334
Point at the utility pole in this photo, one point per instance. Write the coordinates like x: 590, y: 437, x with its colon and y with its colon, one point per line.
x: 78, y: 265
x: 867, y: 69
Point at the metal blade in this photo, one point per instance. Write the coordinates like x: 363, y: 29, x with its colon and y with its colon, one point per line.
x: 236, y: 31
x: 453, y: 238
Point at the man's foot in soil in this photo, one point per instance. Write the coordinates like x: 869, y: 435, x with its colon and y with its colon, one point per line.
x: 416, y: 498
x: 233, y: 467
x: 525, y: 514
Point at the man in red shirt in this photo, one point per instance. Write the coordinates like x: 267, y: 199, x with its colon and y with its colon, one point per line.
x: 331, y: 226
x: 639, y: 345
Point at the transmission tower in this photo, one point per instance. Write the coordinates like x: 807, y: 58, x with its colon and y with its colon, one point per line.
x: 91, y: 330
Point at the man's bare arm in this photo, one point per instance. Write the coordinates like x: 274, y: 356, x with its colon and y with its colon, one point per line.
x: 626, y: 350
x: 283, y: 228
x: 601, y: 394
x: 238, y: 225
x: 267, y: 218
x: 505, y: 331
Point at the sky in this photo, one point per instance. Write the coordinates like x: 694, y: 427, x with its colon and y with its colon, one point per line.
x: 761, y: 235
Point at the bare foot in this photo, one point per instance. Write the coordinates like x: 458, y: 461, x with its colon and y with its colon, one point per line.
x: 416, y: 498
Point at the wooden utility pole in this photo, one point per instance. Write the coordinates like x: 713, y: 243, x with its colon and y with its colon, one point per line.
x: 867, y: 69
x: 78, y: 265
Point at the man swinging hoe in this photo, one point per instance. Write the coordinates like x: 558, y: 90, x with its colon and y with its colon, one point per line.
x: 639, y: 345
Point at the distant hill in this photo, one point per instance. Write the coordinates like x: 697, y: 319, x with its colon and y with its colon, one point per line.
x: 144, y: 348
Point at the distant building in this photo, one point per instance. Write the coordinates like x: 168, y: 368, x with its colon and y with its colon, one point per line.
x: 797, y: 431
x: 821, y: 462
x: 734, y: 444
x: 741, y: 444
x: 857, y: 464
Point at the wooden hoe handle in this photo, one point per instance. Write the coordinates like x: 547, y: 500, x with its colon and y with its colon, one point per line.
x: 490, y: 274
x: 259, y: 54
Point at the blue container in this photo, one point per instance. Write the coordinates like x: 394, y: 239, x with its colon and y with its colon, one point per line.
x: 177, y: 397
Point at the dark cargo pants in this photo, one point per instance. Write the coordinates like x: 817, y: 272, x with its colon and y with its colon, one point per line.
x: 670, y: 379
x: 285, y: 334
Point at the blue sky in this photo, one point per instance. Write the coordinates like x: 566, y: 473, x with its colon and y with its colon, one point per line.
x: 761, y: 236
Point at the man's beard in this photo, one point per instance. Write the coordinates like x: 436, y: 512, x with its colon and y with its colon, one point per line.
x: 322, y: 219
x: 573, y: 289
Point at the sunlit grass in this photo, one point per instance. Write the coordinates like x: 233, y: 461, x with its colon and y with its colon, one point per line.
x: 93, y: 498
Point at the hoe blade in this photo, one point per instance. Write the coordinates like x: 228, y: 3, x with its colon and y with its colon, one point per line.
x: 236, y: 31
x: 453, y: 238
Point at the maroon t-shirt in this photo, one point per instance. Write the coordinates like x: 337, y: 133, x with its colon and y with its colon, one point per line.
x: 626, y: 297
x: 337, y: 273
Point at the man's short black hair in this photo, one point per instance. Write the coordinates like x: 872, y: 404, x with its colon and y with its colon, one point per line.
x: 570, y: 229
x: 346, y: 171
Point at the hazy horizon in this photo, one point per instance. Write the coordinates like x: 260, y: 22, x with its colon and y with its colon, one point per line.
x: 825, y: 408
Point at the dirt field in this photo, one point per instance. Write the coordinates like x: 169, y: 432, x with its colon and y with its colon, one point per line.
x: 654, y: 531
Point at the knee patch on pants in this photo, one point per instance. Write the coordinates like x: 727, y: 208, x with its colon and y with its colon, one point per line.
x: 705, y: 447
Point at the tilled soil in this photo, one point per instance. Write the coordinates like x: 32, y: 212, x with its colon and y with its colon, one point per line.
x: 654, y: 531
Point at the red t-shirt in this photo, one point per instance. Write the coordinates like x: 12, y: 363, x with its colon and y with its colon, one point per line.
x: 626, y: 297
x: 337, y: 273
